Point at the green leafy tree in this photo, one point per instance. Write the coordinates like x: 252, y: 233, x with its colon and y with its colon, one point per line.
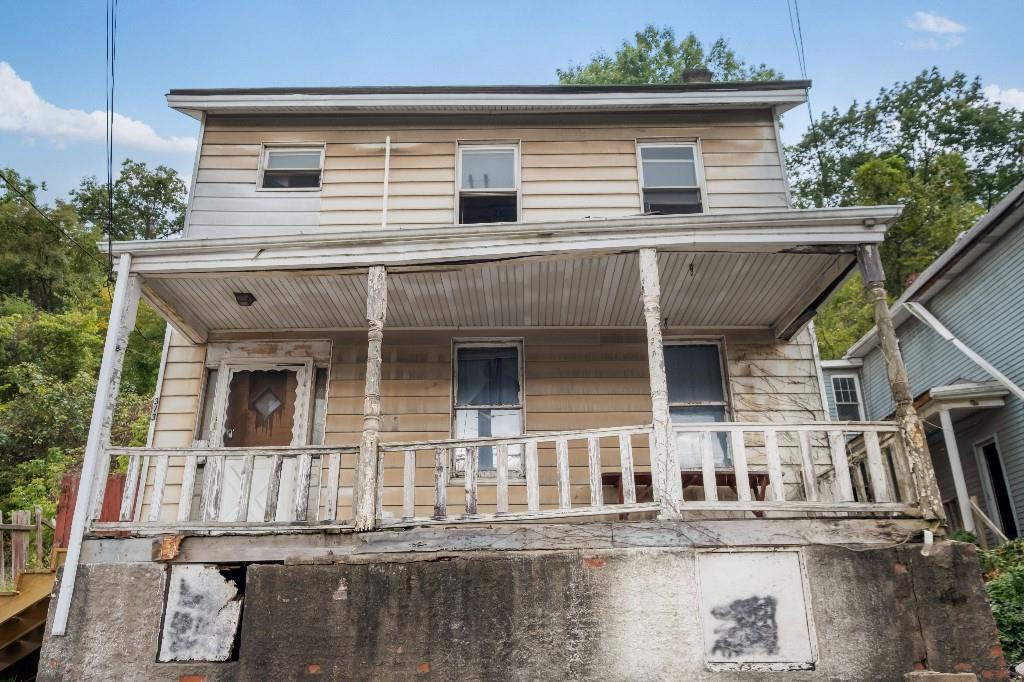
x: 37, y: 261
x: 656, y: 56
x: 917, y: 120
x: 148, y: 204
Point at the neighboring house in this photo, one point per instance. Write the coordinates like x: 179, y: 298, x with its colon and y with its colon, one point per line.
x: 503, y: 383
x: 961, y: 330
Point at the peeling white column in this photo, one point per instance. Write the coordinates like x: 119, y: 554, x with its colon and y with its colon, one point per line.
x: 963, y: 500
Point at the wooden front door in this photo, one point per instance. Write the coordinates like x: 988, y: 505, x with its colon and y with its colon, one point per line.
x: 261, y: 408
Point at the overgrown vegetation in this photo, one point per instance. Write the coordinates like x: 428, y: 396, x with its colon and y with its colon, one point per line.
x: 54, y: 304
x: 1003, y: 569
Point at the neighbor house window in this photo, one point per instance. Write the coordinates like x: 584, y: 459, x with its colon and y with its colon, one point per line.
x: 846, y: 390
x: 696, y: 394
x: 488, y: 401
x: 292, y: 167
x: 488, y: 183
x: 670, y: 178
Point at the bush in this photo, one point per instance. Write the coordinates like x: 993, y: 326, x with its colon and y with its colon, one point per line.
x: 1004, y: 575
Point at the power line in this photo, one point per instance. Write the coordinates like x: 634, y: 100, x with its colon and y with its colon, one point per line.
x: 111, y: 59
x: 796, y: 28
x: 17, y: 190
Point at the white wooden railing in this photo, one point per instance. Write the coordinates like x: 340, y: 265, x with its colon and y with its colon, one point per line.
x: 727, y: 468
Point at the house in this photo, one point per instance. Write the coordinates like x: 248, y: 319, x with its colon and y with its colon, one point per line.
x: 505, y: 383
x: 959, y: 325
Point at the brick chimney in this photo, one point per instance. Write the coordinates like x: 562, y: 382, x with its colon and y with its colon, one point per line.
x: 698, y: 75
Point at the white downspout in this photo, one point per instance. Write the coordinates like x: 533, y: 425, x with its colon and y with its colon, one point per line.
x: 387, y: 181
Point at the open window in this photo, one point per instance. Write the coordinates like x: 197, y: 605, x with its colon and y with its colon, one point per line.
x: 846, y: 389
x: 670, y: 178
x: 292, y: 167
x: 488, y: 183
x: 697, y: 394
x: 488, y: 401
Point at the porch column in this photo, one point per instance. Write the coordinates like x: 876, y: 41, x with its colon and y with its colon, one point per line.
x: 95, y: 463
x: 912, y: 433
x: 665, y: 476
x: 963, y: 501
x: 365, y: 490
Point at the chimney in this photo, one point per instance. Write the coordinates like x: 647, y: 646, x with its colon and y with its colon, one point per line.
x: 698, y: 75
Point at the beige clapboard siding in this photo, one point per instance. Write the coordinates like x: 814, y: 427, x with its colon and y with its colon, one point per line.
x: 574, y: 379
x: 570, y: 168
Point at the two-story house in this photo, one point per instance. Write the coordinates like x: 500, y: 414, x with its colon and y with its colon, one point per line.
x: 505, y: 383
x: 960, y: 326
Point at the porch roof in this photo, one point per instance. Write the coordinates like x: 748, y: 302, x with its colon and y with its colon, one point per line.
x: 765, y: 271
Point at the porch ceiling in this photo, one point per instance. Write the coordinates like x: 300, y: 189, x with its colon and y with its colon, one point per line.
x: 707, y: 290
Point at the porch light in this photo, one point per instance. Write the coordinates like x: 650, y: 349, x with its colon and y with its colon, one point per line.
x: 244, y: 298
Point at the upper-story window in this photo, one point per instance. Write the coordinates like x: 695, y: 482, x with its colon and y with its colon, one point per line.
x: 670, y: 178
x: 846, y: 390
x: 488, y: 183
x: 298, y: 167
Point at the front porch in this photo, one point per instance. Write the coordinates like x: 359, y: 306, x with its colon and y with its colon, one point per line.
x: 595, y: 428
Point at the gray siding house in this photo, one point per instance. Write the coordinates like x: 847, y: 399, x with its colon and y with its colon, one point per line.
x: 961, y: 330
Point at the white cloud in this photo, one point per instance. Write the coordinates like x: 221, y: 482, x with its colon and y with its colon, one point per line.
x: 1010, y: 98
x: 25, y: 113
x: 945, y: 33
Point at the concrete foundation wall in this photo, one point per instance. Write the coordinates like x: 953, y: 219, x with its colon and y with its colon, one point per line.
x: 612, y: 614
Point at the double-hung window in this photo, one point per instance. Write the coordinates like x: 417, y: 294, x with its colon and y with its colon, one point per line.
x: 488, y: 183
x: 298, y: 167
x: 846, y: 390
x: 488, y: 401
x: 697, y: 394
x: 670, y: 178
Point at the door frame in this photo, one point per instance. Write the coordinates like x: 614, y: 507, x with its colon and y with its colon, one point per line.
x: 991, y: 503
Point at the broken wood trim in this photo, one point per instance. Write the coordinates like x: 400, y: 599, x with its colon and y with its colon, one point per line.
x: 670, y: 494
x: 123, y: 309
x: 365, y: 488
x: 911, y: 429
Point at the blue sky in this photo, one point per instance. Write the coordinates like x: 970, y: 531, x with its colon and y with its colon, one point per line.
x: 52, y: 56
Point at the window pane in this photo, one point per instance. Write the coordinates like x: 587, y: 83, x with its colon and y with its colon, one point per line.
x: 487, y: 208
x: 486, y: 424
x: 488, y: 376
x: 847, y: 412
x: 670, y: 174
x: 845, y: 390
x: 694, y: 373
x: 488, y: 169
x: 688, y: 444
x: 294, y: 159
x: 672, y: 201
x: 291, y: 179
x: 667, y: 153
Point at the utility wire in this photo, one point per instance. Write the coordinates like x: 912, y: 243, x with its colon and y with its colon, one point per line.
x: 17, y: 190
x: 796, y: 28
x: 111, y: 59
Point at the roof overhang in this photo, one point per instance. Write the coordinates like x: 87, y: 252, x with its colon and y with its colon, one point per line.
x: 780, y: 95
x: 968, y: 248
x: 965, y: 397
x: 763, y: 273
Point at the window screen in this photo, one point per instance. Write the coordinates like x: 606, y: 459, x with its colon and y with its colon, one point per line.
x: 669, y: 176
x: 696, y: 394
x: 847, y: 400
x: 488, y: 184
x: 292, y: 168
x: 487, y: 401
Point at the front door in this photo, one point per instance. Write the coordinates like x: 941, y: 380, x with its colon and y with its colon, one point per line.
x: 997, y: 492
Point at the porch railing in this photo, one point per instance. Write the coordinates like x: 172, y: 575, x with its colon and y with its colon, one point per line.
x: 726, y: 469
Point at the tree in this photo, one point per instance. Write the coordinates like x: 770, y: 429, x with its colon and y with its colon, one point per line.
x: 656, y: 57
x: 37, y: 261
x: 916, y: 120
x: 148, y: 204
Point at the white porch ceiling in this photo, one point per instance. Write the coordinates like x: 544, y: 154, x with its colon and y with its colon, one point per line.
x: 699, y: 289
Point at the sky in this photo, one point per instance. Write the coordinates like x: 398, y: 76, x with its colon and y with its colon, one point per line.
x: 52, y: 57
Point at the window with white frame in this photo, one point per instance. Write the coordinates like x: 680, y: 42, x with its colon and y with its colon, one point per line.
x: 488, y: 401
x: 488, y: 183
x: 846, y: 390
x: 292, y: 167
x: 697, y: 394
x: 670, y: 178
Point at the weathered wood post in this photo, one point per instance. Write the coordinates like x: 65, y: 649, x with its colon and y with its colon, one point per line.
x: 95, y: 462
x: 365, y: 492
x: 665, y: 471
x: 915, y: 443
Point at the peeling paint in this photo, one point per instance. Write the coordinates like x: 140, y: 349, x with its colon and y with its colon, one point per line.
x: 202, y: 615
